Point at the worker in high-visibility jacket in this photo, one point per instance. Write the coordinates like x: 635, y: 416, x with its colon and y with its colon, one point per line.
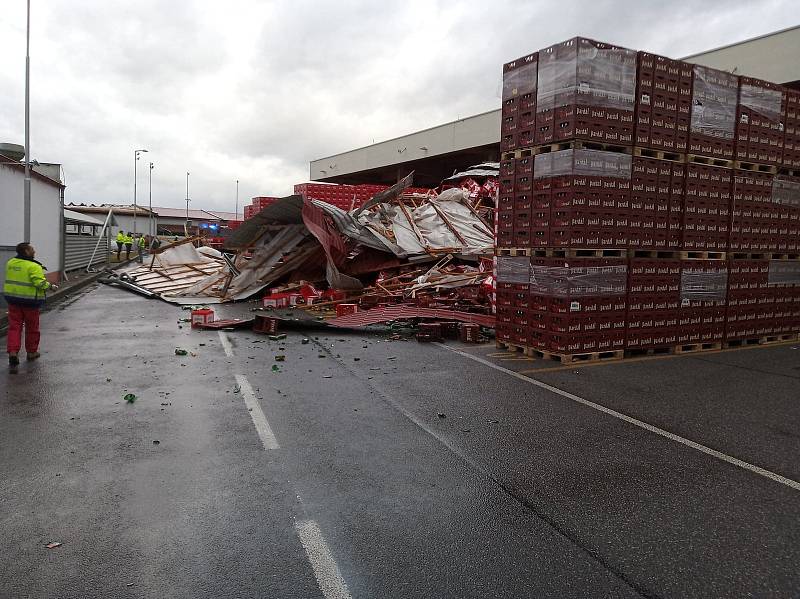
x: 128, y: 244
x: 120, y: 243
x: 24, y: 291
x: 141, y: 246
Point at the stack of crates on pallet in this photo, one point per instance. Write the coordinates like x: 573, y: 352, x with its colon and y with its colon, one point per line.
x: 673, y: 178
x: 518, y: 113
x: 713, y: 119
x: 791, y: 140
x: 579, y: 304
x: 656, y: 205
x: 763, y: 299
x: 585, y: 90
x: 760, y: 118
x: 706, y: 207
x: 663, y: 103
x: 766, y: 212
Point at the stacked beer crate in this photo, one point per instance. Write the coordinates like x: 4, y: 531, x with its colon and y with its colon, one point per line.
x: 636, y: 194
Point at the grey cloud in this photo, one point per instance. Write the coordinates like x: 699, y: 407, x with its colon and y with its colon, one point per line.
x: 316, y: 78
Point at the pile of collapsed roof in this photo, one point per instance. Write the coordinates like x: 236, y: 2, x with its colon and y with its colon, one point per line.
x: 396, y: 245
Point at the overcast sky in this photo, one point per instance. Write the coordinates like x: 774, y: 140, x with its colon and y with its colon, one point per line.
x: 253, y: 90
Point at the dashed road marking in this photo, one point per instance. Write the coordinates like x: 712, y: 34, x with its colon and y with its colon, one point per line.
x: 648, y: 427
x: 326, y: 571
x: 259, y: 420
x: 226, y: 343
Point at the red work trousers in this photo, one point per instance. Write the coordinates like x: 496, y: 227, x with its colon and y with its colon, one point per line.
x: 19, y: 316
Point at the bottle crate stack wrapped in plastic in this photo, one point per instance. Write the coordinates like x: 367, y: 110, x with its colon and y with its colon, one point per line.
x: 638, y: 193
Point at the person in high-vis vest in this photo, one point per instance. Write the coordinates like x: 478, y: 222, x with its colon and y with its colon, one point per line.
x: 24, y: 291
x: 128, y: 245
x: 141, y: 246
x: 120, y: 243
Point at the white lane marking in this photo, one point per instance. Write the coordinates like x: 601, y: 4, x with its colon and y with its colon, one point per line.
x: 326, y: 571
x: 649, y: 427
x: 259, y: 420
x: 226, y: 343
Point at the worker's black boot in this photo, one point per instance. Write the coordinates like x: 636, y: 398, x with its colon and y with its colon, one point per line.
x: 33, y: 355
x: 13, y: 363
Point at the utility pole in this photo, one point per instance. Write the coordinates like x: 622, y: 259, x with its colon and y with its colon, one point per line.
x: 150, y: 203
x: 186, y: 225
x: 26, y: 203
x: 135, y: 207
x: 236, y: 211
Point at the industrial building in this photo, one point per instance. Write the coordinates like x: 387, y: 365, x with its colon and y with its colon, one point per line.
x: 47, y: 194
x: 435, y: 153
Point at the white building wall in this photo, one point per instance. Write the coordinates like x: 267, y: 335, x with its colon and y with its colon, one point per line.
x: 475, y: 131
x: 773, y: 57
x: 45, y: 217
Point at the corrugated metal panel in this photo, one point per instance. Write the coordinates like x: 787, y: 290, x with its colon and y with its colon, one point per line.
x: 379, y: 315
x: 286, y: 211
x: 79, y: 248
x: 79, y: 217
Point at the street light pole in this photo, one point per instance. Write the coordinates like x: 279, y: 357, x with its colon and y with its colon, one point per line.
x: 236, y: 212
x: 186, y: 226
x: 135, y: 208
x: 150, y: 203
x: 26, y: 203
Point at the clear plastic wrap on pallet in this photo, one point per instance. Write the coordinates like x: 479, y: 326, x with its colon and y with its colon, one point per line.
x: 784, y: 272
x: 714, y: 100
x: 766, y: 102
x: 786, y: 190
x: 586, y: 72
x: 579, y: 281
x: 704, y: 283
x: 513, y: 269
x: 520, y: 81
x: 592, y: 163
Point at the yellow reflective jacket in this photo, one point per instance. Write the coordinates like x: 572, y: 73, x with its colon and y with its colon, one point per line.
x: 25, y: 283
x: 120, y: 237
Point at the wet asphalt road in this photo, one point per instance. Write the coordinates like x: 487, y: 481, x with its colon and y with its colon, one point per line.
x: 516, y: 492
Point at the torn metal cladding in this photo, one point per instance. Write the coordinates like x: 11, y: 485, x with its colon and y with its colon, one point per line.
x: 294, y: 239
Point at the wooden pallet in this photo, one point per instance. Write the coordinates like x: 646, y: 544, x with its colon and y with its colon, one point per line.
x: 513, y: 347
x: 663, y: 350
x: 762, y: 340
x: 594, y: 356
x: 581, y: 144
x: 710, y: 160
x: 764, y: 256
x: 667, y: 155
x: 790, y: 171
x: 515, y: 154
x: 513, y: 251
x: 678, y: 254
x: 755, y: 167
x: 689, y: 348
x: 578, y: 253
x: 701, y: 255
x: 534, y: 352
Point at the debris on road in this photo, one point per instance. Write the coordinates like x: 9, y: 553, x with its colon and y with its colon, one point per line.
x: 129, y: 397
x: 179, y: 351
x: 53, y: 545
